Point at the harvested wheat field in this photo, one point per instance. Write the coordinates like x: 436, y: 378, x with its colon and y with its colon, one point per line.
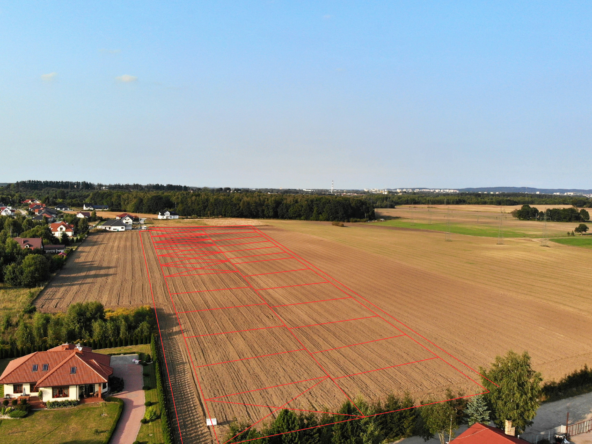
x: 266, y: 330
x: 107, y: 267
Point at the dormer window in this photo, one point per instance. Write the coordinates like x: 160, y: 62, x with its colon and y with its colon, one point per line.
x: 72, y: 370
x: 45, y: 367
x: 35, y: 367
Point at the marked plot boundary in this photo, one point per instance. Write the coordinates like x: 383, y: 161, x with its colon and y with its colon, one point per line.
x: 180, y: 243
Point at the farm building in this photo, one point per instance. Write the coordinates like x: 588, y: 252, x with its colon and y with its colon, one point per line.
x: 31, y: 243
x: 482, y: 434
x: 64, y: 372
x: 88, y: 206
x: 126, y: 218
x: 58, y: 228
x: 115, y: 225
x: 83, y: 214
x: 168, y: 215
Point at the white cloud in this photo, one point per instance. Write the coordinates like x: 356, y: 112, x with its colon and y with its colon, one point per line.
x: 126, y: 78
x: 49, y: 77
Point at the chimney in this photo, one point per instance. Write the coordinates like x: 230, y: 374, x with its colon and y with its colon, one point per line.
x: 509, y: 430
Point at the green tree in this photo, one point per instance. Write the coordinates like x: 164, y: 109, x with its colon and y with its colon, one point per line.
x: 582, y: 228
x: 40, y: 325
x: 439, y: 418
x: 35, y: 270
x: 112, y: 330
x: 286, y: 422
x: 143, y: 330
x: 55, y: 331
x: 99, y: 330
x: 23, y: 335
x: 65, y: 239
x: 13, y: 275
x: 515, y: 396
x: 477, y: 411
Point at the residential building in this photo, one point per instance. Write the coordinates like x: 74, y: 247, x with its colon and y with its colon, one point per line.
x: 31, y: 243
x: 126, y: 218
x: 58, y: 228
x: 168, y: 215
x: 483, y: 434
x: 31, y: 201
x: 62, y: 207
x: 115, y: 225
x: 88, y: 206
x: 7, y: 211
x: 83, y: 214
x: 64, y: 372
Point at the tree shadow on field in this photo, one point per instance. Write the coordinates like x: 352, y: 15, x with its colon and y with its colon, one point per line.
x: 190, y: 412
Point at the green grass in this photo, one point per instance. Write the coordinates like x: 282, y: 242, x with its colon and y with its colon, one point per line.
x: 14, y: 300
x: 61, y: 426
x: 471, y: 230
x: 126, y: 350
x: 151, y: 433
x: 581, y: 241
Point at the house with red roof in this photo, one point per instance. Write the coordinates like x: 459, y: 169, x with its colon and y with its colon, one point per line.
x: 126, y: 218
x: 31, y: 243
x: 483, y: 434
x: 58, y: 228
x: 65, y: 372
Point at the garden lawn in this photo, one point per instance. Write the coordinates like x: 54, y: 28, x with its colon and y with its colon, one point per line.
x: 152, y: 432
x: 470, y: 230
x: 583, y: 241
x: 83, y: 424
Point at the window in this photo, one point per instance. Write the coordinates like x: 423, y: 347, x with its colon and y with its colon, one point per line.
x: 35, y: 367
x: 72, y: 370
x: 45, y: 367
x: 60, y: 392
x: 17, y: 388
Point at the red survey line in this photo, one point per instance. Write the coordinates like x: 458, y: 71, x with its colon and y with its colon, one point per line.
x: 359, y: 343
x: 386, y: 368
x: 256, y: 255
x: 333, y: 322
x: 267, y: 388
x: 276, y: 407
x: 249, y: 249
x: 289, y: 286
x: 243, y: 243
x: 186, y: 273
x: 312, y: 302
x: 252, y: 357
x: 299, y: 341
x: 279, y: 408
x: 206, y: 291
x: 263, y: 260
x: 220, y: 308
x: 235, y: 331
x: 276, y: 272
x: 321, y: 273
x: 188, y: 351
x: 160, y: 334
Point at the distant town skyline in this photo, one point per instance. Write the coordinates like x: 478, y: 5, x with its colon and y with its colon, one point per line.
x: 293, y: 94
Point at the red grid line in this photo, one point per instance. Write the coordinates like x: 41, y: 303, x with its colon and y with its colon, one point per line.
x: 386, y: 368
x: 267, y: 388
x: 276, y: 272
x: 312, y: 302
x: 289, y: 286
x: 275, y: 407
x: 206, y: 291
x: 235, y: 331
x: 359, y: 343
x: 220, y: 308
x: 249, y: 249
x: 184, y: 273
x: 333, y: 322
x: 252, y: 357
x: 243, y: 243
x: 263, y: 260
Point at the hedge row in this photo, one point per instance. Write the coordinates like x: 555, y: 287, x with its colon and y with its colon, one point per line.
x: 167, y: 432
x: 60, y: 404
x: 16, y: 352
x: 117, y: 416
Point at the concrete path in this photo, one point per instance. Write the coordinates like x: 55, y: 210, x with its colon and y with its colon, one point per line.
x: 133, y: 399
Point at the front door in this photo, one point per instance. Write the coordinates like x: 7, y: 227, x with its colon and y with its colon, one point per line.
x: 90, y: 389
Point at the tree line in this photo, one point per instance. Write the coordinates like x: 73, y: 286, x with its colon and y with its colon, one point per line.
x: 552, y: 214
x: 32, y: 330
x: 515, y: 396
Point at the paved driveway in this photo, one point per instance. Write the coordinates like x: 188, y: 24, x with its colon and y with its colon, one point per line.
x: 133, y: 398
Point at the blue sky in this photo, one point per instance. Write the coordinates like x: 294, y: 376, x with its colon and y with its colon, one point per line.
x: 296, y: 93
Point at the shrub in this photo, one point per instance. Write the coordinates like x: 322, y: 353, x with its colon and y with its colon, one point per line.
x: 151, y: 414
x: 144, y: 421
x: 148, y: 403
x: 14, y: 402
x: 18, y: 414
x: 23, y: 401
x: 5, y: 402
x: 116, y: 384
x: 117, y: 416
x: 337, y: 224
x: 146, y: 374
x: 146, y: 387
x: 61, y: 404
